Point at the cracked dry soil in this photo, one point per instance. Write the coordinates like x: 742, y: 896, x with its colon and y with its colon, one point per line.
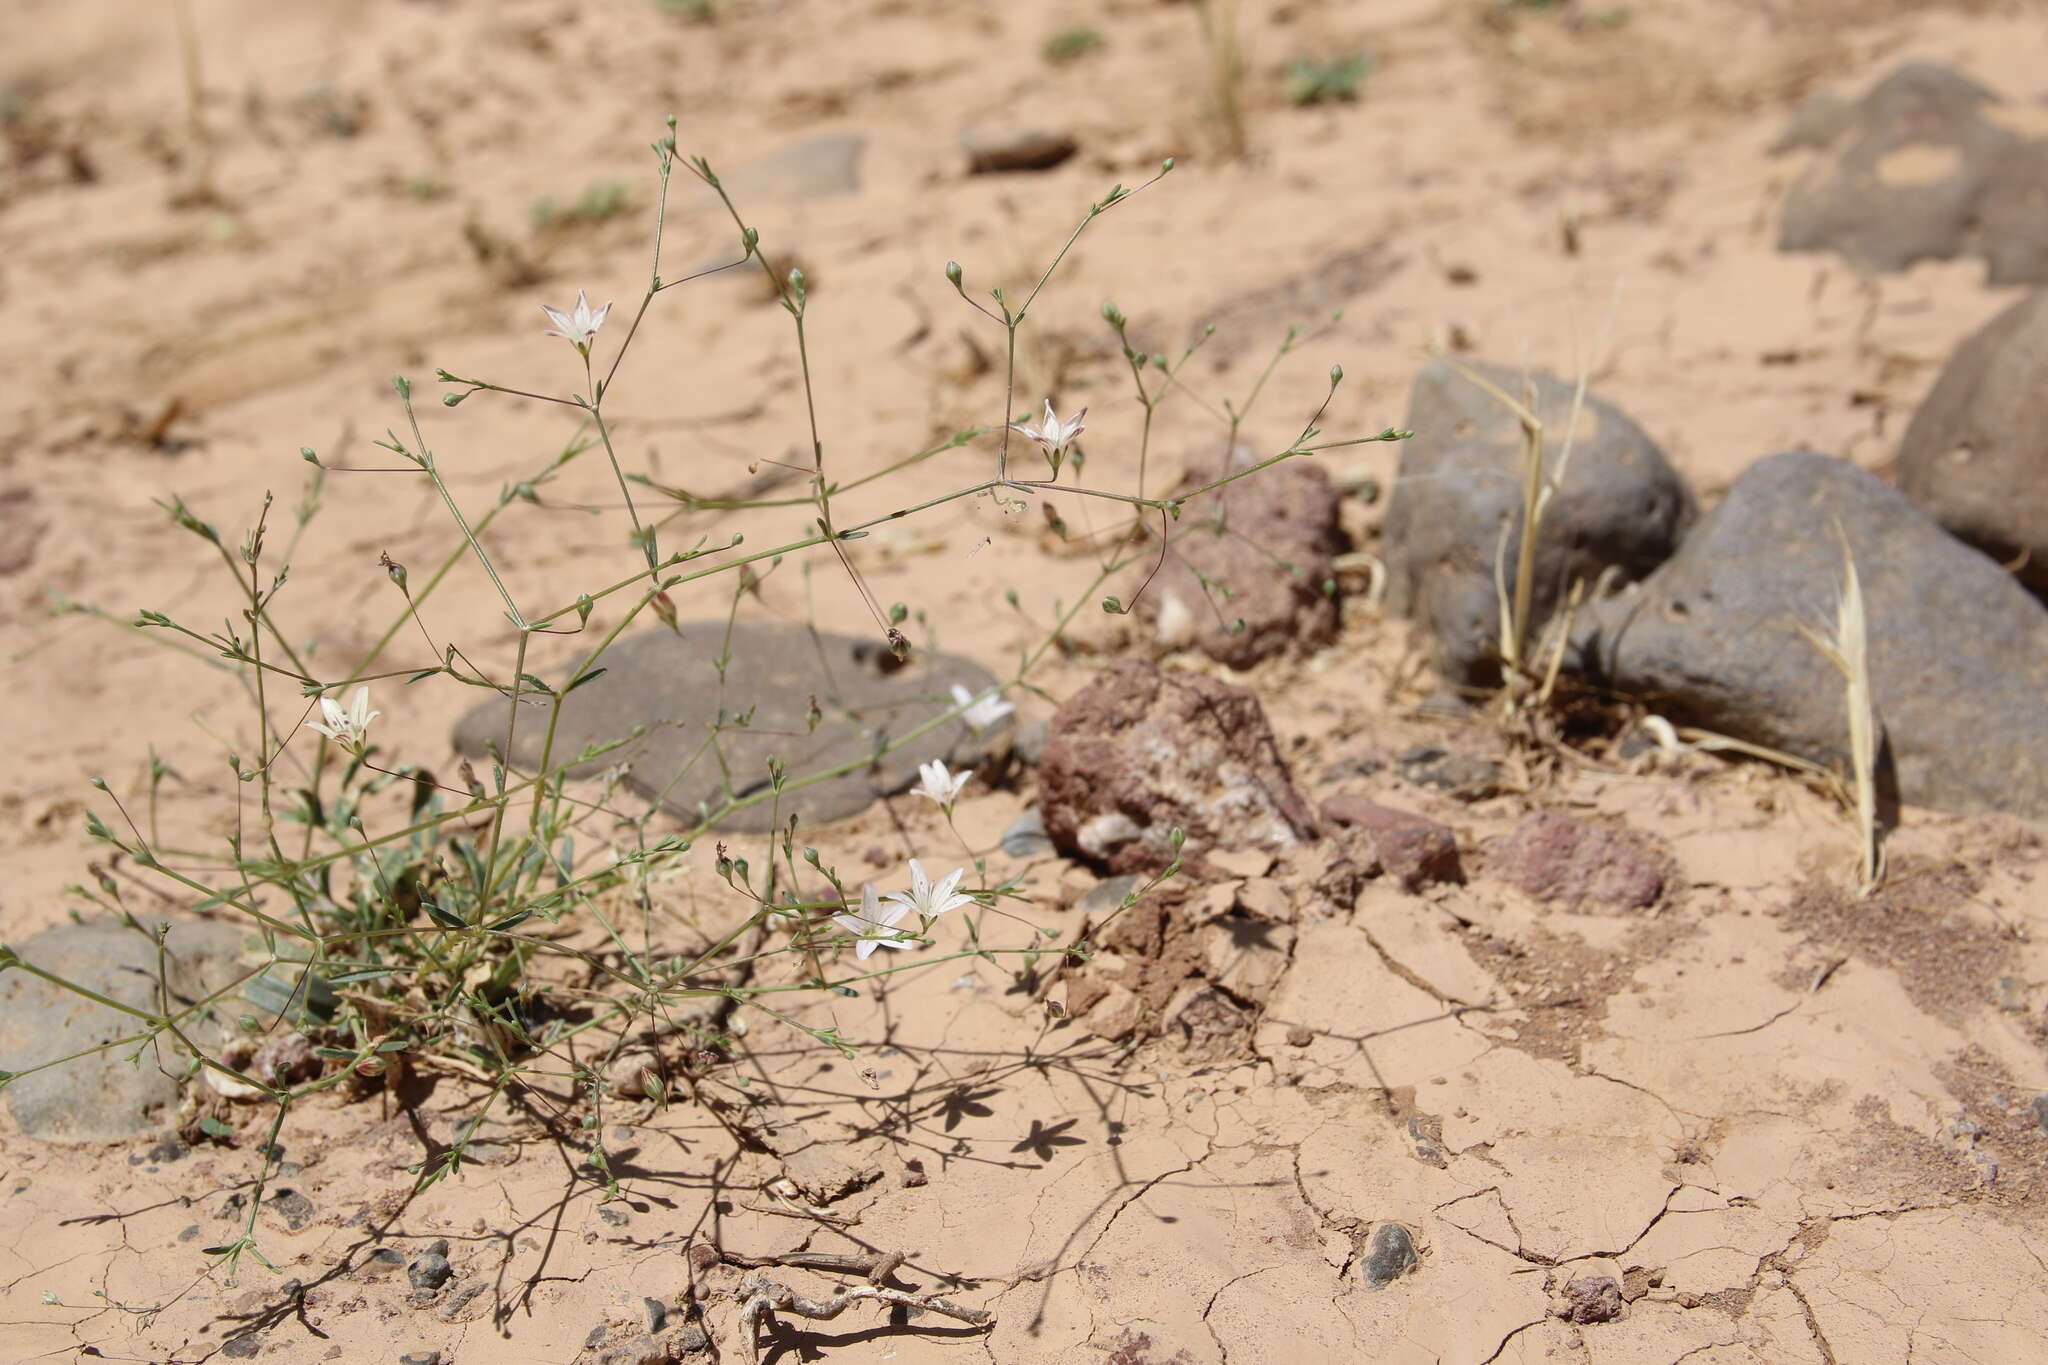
x: 1789, y: 1126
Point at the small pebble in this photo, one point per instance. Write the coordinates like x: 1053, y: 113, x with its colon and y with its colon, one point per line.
x: 655, y: 1313
x: 1388, y: 1256
x: 430, y: 1271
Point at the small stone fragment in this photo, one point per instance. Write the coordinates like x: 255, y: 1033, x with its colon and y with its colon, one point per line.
x: 1555, y: 858
x: 654, y: 1313
x: 2041, y: 1112
x: 1412, y: 848
x: 429, y: 1271
x: 1015, y: 149
x: 1116, y: 1016
x: 421, y: 1358
x: 1468, y: 777
x: 1026, y: 838
x: 1592, y: 1298
x: 1389, y: 1255
x: 381, y: 1262
x: 1266, y: 900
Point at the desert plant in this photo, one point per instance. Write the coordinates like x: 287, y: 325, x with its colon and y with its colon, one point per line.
x: 1070, y: 44
x: 1312, y: 82
x: 406, y: 920
x: 1225, y: 107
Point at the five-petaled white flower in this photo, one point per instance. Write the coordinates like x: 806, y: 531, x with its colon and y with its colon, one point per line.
x: 346, y: 728
x: 579, y: 325
x: 1053, y: 435
x: 939, y: 784
x: 874, y: 925
x: 980, y: 712
x: 928, y: 900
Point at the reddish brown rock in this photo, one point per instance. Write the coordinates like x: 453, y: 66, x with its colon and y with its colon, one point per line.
x: 1141, y: 750
x: 1411, y: 847
x: 1555, y: 858
x: 1249, y: 574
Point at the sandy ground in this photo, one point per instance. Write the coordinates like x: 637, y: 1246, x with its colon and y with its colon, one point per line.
x: 1794, y: 1126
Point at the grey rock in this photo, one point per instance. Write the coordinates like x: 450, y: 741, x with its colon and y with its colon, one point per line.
x: 2040, y: 1108
x: 243, y: 1347
x: 1914, y: 171
x: 1015, y: 149
x: 2011, y: 214
x: 654, y: 1313
x: 421, y: 1358
x: 691, y: 1339
x: 1108, y: 894
x: 668, y: 686
x: 104, y: 1097
x: 380, y: 1263
x: 1028, y: 746
x: 815, y: 168
x: 429, y: 1271
x: 292, y: 1207
x: 1026, y: 837
x: 1389, y: 1255
x: 1468, y: 777
x: 1621, y: 506
x: 2009, y: 993
x: 1902, y: 175
x: 1975, y: 455
x: 1249, y: 573
x: 1958, y: 651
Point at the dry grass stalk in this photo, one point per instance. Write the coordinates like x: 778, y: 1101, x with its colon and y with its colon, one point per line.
x: 1848, y: 650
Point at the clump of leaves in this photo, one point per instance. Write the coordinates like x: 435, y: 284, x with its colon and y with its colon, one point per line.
x: 1071, y: 43
x: 695, y: 11
x: 605, y: 199
x: 1312, y: 82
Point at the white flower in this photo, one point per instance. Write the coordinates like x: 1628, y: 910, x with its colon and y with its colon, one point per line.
x: 874, y: 925
x: 939, y: 784
x: 980, y: 712
x: 346, y: 728
x: 928, y: 900
x: 1053, y: 435
x: 579, y: 325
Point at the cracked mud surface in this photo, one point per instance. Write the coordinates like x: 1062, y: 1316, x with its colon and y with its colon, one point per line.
x: 1793, y: 1127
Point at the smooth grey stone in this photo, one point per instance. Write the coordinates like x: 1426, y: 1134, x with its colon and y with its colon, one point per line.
x: 669, y: 684
x: 1621, y: 506
x: 654, y: 1313
x: 1958, y: 651
x: 1388, y: 1256
x: 105, y: 1097
x: 1975, y: 455
x: 1108, y: 894
x: 1026, y: 838
x: 815, y: 168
